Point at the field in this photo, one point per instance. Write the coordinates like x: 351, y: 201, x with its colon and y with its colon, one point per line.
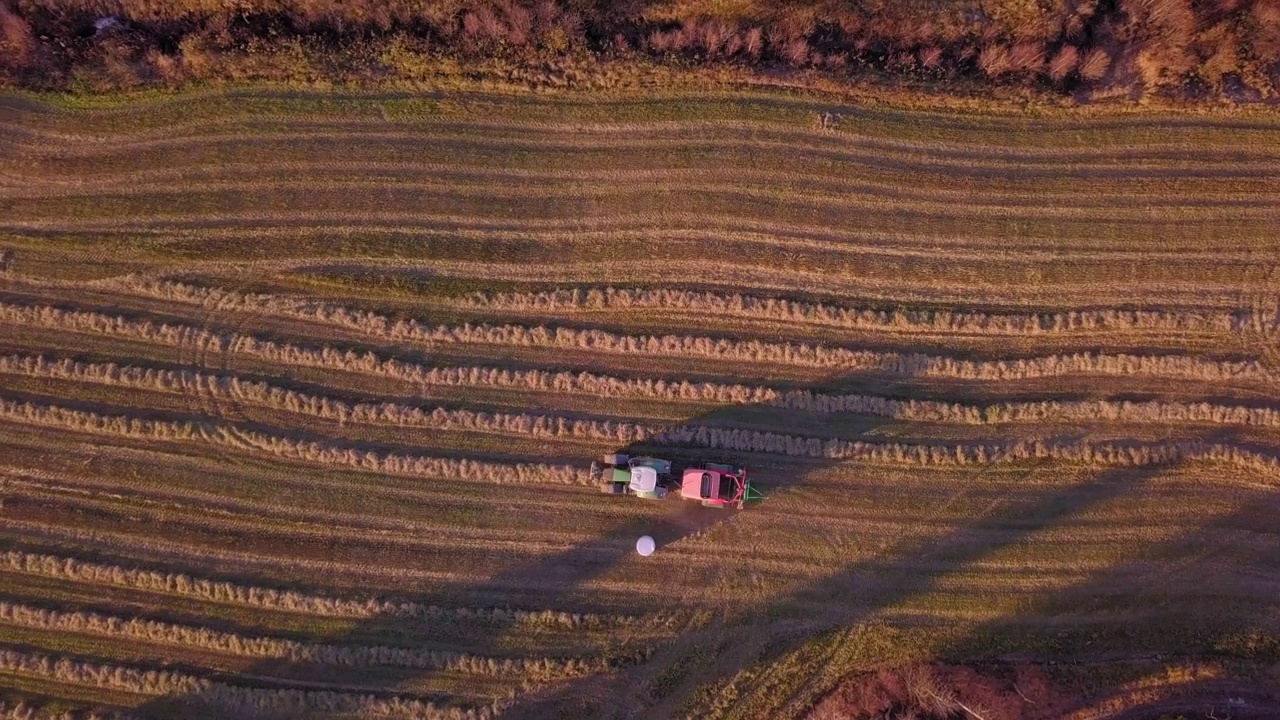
x: 298, y: 392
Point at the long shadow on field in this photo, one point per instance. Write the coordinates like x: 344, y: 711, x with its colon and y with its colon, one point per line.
x: 800, y: 633
x: 555, y: 581
x: 784, y: 643
x: 1205, y: 594
x: 1196, y: 592
x: 778, y: 659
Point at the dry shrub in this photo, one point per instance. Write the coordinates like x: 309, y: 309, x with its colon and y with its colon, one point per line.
x: 482, y: 26
x: 1263, y: 25
x: 1223, y: 48
x: 930, y: 698
x: 753, y: 42
x: 1164, y: 31
x: 54, y: 711
x: 1158, y: 33
x: 167, y: 68
x: 17, y: 44
x: 713, y: 35
x: 1163, y: 17
x: 795, y: 51
x: 1073, y: 27
x: 1027, y: 57
x: 1064, y: 62
x: 931, y: 57
x: 1095, y: 64
x: 995, y: 60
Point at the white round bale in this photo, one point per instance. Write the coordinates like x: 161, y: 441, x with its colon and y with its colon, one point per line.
x: 645, y: 545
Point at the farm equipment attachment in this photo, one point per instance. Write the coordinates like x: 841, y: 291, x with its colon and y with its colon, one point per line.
x: 718, y: 485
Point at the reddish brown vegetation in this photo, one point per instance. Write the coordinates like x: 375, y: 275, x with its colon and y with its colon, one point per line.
x: 1064, y: 63
x: 1177, y: 47
x: 943, y: 692
x: 1009, y: 691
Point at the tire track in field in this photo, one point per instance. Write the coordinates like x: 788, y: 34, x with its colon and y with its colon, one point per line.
x: 743, y: 185
x: 611, y: 206
x: 849, y: 147
x: 243, y: 104
x: 831, y: 242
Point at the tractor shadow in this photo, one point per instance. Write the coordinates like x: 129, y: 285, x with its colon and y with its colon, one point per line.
x: 803, y: 626
x: 808, y: 623
x: 796, y: 637
x: 558, y: 581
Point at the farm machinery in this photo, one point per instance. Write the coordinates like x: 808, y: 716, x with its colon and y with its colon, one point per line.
x: 712, y: 484
x: 644, y: 477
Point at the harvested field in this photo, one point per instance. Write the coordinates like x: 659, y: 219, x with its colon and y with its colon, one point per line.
x: 299, y: 392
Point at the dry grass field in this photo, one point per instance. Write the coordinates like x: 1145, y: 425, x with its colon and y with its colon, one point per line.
x: 298, y: 392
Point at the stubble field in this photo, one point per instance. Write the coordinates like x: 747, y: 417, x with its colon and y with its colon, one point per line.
x: 298, y: 393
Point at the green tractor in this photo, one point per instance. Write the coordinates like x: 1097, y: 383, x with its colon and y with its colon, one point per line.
x: 645, y: 477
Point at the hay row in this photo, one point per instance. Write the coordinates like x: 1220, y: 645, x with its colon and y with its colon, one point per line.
x: 1079, y: 452
x: 188, y: 636
x: 234, y: 389
x: 227, y: 436
x: 239, y: 698
x: 1106, y: 454
x: 23, y: 479
x: 56, y: 711
x: 734, y: 304
x: 369, y: 363
x: 290, y: 601
x: 879, y: 320
x: 601, y: 341
x: 1083, y: 411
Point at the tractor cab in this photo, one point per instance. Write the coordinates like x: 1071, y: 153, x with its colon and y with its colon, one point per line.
x: 644, y: 481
